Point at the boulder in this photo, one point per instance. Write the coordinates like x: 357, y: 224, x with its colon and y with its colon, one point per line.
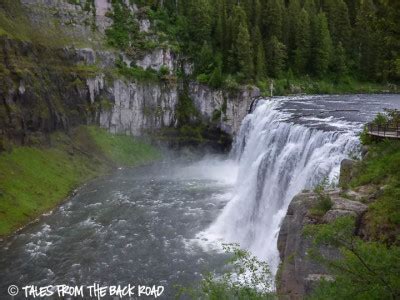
x: 298, y: 274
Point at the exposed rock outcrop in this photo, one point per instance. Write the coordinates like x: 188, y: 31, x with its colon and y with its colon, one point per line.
x: 47, y: 88
x: 346, y: 172
x: 232, y: 106
x: 299, y: 274
x: 139, y: 108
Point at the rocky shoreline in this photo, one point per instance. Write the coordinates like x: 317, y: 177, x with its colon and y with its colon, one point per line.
x: 299, y: 274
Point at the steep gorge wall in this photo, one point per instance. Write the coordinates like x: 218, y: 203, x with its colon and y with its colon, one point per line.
x: 47, y: 88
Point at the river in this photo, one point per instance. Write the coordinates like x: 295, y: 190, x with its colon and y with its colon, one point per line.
x: 162, y: 224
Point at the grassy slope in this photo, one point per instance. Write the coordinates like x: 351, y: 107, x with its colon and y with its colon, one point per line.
x: 382, y: 168
x: 34, y: 180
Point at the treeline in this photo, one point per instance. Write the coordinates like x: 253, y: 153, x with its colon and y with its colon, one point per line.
x: 250, y: 40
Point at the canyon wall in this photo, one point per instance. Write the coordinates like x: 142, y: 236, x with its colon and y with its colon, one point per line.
x: 47, y: 87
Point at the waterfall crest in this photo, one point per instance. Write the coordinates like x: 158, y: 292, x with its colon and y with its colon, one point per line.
x: 277, y: 159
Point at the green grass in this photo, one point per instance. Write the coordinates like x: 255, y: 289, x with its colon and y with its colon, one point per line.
x: 15, y: 24
x: 123, y: 149
x: 381, y: 168
x: 34, y: 180
x: 381, y: 165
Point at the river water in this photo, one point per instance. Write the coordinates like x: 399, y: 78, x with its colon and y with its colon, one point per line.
x: 163, y: 224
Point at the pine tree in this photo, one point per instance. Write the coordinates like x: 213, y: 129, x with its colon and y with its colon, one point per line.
x: 204, y: 60
x: 259, y: 53
x: 216, y: 78
x: 391, y: 44
x: 321, y: 52
x: 273, y: 19
x: 303, y: 43
x: 199, y: 13
x: 276, y: 56
x: 260, y: 66
x: 342, y: 28
x: 244, y: 52
x: 366, y: 40
x: 293, y: 23
x: 339, y: 63
x: 310, y: 7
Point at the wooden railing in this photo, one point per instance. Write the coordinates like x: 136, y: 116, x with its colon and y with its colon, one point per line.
x: 388, y: 129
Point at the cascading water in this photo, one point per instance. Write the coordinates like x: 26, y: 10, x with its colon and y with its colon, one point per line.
x: 277, y: 159
x: 140, y: 225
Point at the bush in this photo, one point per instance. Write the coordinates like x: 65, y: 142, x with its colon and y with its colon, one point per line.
x: 248, y: 278
x: 203, y: 78
x: 324, y: 202
x: 380, y: 119
x: 365, y: 270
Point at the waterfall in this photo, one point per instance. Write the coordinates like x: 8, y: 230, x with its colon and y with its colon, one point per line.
x: 277, y: 159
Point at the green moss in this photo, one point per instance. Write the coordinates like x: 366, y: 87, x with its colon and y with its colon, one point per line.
x: 34, y: 180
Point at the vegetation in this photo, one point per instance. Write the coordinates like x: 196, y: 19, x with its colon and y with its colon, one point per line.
x: 247, y: 278
x: 365, y: 270
x: 368, y: 267
x: 35, y: 179
x: 323, y: 203
x: 144, y: 75
x: 339, y: 44
x: 380, y: 168
x: 15, y: 24
x: 122, y: 149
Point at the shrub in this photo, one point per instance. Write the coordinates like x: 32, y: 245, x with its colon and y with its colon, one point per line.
x: 248, y: 278
x: 203, y: 78
x: 365, y: 270
x: 324, y: 202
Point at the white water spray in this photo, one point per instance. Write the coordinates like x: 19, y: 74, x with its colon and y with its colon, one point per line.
x: 277, y: 159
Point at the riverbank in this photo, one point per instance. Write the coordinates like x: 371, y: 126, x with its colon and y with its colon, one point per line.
x: 33, y: 180
x: 306, y: 85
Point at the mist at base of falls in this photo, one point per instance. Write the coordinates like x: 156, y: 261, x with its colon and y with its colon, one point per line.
x: 163, y: 224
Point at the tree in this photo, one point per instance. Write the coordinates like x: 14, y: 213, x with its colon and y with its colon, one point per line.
x: 390, y: 26
x: 260, y: 66
x: 273, y: 19
x: 321, y: 52
x: 367, y: 40
x: 339, y: 62
x: 293, y: 23
x: 124, y: 32
x: 205, y: 60
x: 276, y: 57
x: 200, y: 20
x: 365, y: 270
x: 303, y: 43
x: 259, y: 54
x: 244, y: 52
x: 341, y: 31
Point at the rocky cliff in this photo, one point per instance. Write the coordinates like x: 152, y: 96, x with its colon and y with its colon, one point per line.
x: 54, y: 86
x: 299, y: 273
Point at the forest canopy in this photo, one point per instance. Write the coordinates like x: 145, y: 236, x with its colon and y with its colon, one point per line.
x: 250, y: 40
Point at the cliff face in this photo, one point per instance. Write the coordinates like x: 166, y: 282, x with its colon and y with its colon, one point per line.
x: 298, y: 273
x: 41, y: 90
x: 52, y: 87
